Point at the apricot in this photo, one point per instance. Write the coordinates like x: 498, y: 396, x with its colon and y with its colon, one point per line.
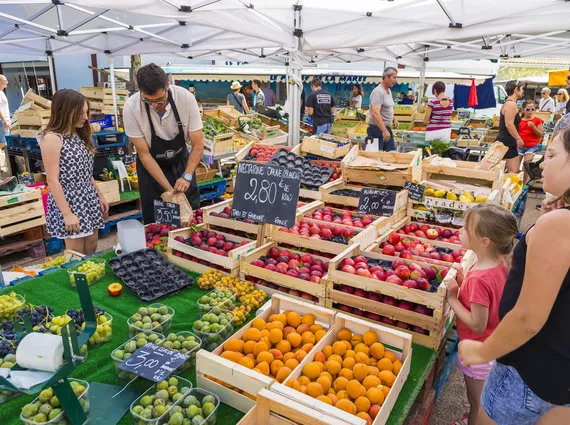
x: 277, y: 355
x: 320, y: 334
x: 293, y: 319
x: 371, y: 381
x: 263, y: 367
x: 275, y: 366
x: 325, y: 399
x: 346, y: 405
x: 308, y: 319
x: 234, y: 344
x: 252, y: 334
x: 349, y: 362
x: 312, y: 370
x: 344, y: 334
x: 232, y: 356
x: 259, y: 347
x: 327, y: 351
x: 375, y: 395
x: 369, y: 338
x: 284, y: 346
x: 333, y: 398
x: 307, y: 347
x: 258, y: 323
x: 360, y: 371
x: 282, y: 374
x: 362, y: 358
x: 333, y: 367
x: 385, y: 364
x: 247, y: 362
x: 275, y: 336
x: 377, y: 350
x: 374, y: 410
x: 265, y: 356
x: 248, y: 347
x: 287, y: 330
x: 353, y: 388
x: 339, y: 384
x: 314, y: 389
x: 301, y: 329
x: 339, y: 348
x: 325, y: 383
x: 362, y: 348
x: 291, y: 363
x: 346, y: 373
x: 365, y: 416
x: 362, y: 404
x: 304, y: 380
x: 397, y: 366
x: 308, y: 338
x: 387, y: 377
x: 390, y: 356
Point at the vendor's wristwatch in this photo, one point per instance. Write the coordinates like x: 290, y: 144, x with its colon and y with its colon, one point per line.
x: 187, y: 176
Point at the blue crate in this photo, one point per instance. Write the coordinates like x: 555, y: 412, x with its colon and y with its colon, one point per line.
x: 16, y: 142
x: 47, y: 271
x: 105, y: 122
x: 54, y: 245
x: 450, y: 356
x: 32, y: 145
x: 100, y: 139
x: 21, y: 280
x: 107, y: 229
x: 212, y: 190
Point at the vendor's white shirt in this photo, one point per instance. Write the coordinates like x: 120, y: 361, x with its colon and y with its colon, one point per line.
x: 546, y: 105
x: 4, y: 109
x: 136, y: 121
x: 358, y: 100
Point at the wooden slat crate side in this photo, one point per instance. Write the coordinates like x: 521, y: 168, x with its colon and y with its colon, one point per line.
x: 227, y: 396
x: 17, y: 228
x: 21, y: 212
x: 271, y: 292
x: 196, y: 267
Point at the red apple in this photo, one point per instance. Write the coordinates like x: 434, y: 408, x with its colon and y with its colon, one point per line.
x: 363, y: 272
x: 399, y: 248
x: 303, y: 276
x: 424, y: 228
x: 360, y: 259
x: 345, y: 308
x: 294, y: 263
x: 361, y: 293
x: 419, y: 330
x: 388, y: 321
x: 258, y: 263
x: 397, y: 263
x: 416, y: 274
x: 347, y: 289
x: 394, y: 238
x: 373, y: 316
x: 388, y: 250
x: 432, y: 234
x: 306, y: 259
x: 390, y: 301
x: 315, y: 279
x: 403, y: 272
x: 348, y: 269
x: 380, y: 274
x: 347, y: 262
x: 406, y: 305
x: 407, y: 229
x: 347, y: 233
x: 408, y: 255
x: 422, y: 309
x: 326, y: 233
x: 420, y: 234
x: 414, y: 227
x: 394, y: 279
x: 403, y: 325
x: 446, y: 233
x: 410, y: 284
x: 292, y: 273
x: 358, y: 312
x: 430, y: 273
x: 423, y: 283
x: 270, y: 267
x: 447, y: 258
x: 373, y: 296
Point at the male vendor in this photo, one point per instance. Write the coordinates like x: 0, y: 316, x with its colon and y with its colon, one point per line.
x: 161, y: 120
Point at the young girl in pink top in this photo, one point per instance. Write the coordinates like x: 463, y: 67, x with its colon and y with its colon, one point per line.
x: 489, y: 231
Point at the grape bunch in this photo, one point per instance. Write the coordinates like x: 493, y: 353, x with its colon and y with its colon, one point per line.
x: 79, y: 316
x: 7, y: 347
x: 38, y: 314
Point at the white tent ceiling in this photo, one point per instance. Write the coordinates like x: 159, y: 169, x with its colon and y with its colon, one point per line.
x: 403, y: 31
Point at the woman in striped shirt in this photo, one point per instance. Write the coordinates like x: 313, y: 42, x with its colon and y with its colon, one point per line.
x: 438, y: 114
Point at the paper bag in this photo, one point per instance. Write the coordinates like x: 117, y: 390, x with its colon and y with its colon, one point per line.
x: 372, y: 145
x: 186, y: 212
x: 493, y: 156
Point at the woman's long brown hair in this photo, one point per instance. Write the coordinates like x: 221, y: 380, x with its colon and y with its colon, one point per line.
x: 66, y: 110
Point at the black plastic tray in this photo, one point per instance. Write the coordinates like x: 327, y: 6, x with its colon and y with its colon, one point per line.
x: 148, y: 274
x: 312, y: 175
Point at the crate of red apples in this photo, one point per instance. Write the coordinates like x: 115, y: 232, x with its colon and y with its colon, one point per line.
x: 410, y: 295
x: 260, y: 152
x: 445, y: 236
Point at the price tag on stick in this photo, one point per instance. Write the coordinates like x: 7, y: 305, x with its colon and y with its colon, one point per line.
x: 415, y: 191
x: 378, y: 202
x: 153, y: 362
x: 266, y: 193
x: 166, y: 213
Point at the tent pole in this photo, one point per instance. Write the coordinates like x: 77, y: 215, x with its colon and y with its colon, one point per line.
x: 422, y: 82
x: 51, y: 75
x: 111, y: 62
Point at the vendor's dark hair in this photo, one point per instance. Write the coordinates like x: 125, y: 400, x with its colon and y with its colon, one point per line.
x: 151, y: 78
x: 316, y: 82
x: 258, y: 82
x: 359, y: 88
x: 512, y: 85
x: 439, y: 87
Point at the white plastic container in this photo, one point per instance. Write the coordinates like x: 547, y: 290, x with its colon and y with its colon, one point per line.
x: 131, y: 235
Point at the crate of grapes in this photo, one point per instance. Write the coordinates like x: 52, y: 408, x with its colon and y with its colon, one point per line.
x: 94, y: 271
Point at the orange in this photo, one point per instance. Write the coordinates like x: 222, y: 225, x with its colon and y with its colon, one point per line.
x: 294, y: 339
x: 263, y: 367
x: 308, y: 319
x: 375, y: 395
x: 311, y: 370
x: 362, y: 348
x: 291, y: 363
x: 362, y: 404
x: 282, y: 374
x: 347, y: 406
x: 369, y: 338
x: 340, y: 383
x: 349, y: 362
x: 365, y: 416
x: 327, y: 351
x: 247, y: 362
x: 281, y: 318
x: 234, y: 344
x: 308, y: 338
x: 304, y: 380
x: 258, y: 323
x: 342, y: 395
x: 275, y: 335
x: 360, y: 371
x: 385, y: 364
x: 397, y: 367
x: 346, y: 373
x: 333, y: 367
x: 314, y: 389
x: 353, y: 388
x: 325, y: 383
x: 344, y: 334
x: 371, y: 381
x: 362, y: 358
x: 333, y: 398
x: 373, y: 371
x: 252, y: 334
x: 275, y: 366
x: 264, y: 356
x: 387, y: 377
x: 391, y: 356
x: 377, y: 350
x: 293, y: 319
x: 284, y: 346
x: 320, y: 357
x: 325, y: 399
x: 259, y: 347
x: 339, y: 348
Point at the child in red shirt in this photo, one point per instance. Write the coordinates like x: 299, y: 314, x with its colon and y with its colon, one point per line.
x: 489, y: 231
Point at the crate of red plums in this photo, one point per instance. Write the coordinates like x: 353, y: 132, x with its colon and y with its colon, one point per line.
x: 401, y: 293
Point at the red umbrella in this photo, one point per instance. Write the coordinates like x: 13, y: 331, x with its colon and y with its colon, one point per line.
x: 473, y: 95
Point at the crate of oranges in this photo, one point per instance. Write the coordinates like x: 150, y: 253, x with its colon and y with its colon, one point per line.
x: 266, y: 350
x: 352, y: 372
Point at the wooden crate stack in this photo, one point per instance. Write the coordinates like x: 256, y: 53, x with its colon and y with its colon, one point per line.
x: 110, y: 190
x: 32, y: 117
x: 101, y: 99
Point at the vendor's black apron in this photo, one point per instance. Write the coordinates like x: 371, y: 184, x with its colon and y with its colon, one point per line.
x: 172, y: 157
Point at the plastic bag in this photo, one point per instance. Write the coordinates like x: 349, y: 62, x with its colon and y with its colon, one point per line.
x: 186, y: 212
x: 457, y: 154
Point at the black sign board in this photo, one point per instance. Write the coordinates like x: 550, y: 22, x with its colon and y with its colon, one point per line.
x: 378, y: 202
x: 166, y: 213
x: 153, y: 362
x: 415, y: 191
x: 266, y: 193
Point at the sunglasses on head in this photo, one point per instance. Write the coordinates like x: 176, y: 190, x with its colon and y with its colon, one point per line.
x: 529, y: 109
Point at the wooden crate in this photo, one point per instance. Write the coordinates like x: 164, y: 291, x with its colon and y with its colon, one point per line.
x: 220, y: 144
x: 230, y: 262
x: 244, y: 151
x: 356, y: 135
x: 437, y: 301
x: 399, y: 225
x: 33, y: 120
x: 510, y: 191
x: 374, y: 175
x: 397, y: 342
x: 110, y: 190
x: 364, y: 237
x: 38, y: 102
x: 330, y: 198
x: 463, y: 172
x: 326, y: 145
x: 193, y: 266
x: 205, y: 173
x: 477, y: 123
x: 247, y: 269
x: 21, y: 211
x: 433, y: 202
x: 473, y: 141
x: 229, y: 120
x: 276, y: 409
x: 213, y: 366
x: 104, y: 93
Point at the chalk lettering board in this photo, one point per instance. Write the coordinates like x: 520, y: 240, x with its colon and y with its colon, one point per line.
x: 166, y: 213
x: 378, y: 202
x: 153, y: 362
x: 266, y: 193
x: 415, y: 191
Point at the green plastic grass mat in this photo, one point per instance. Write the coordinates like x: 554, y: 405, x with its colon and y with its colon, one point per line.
x: 131, y: 194
x: 55, y: 290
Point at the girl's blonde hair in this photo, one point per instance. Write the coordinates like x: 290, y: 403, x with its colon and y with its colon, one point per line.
x: 564, y: 94
x: 494, y: 223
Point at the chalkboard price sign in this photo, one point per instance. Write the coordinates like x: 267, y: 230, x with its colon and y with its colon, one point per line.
x: 153, y: 362
x: 166, y: 213
x: 266, y: 193
x: 415, y: 191
x: 378, y: 202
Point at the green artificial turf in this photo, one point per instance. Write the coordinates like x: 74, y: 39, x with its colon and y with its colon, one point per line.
x: 55, y: 290
x: 130, y: 194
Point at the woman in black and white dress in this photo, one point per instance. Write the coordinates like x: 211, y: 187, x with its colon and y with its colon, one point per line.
x: 75, y: 204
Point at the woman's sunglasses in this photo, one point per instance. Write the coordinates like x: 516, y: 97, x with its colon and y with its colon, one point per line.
x: 529, y: 109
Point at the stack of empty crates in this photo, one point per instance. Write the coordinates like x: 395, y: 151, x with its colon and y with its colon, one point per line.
x: 32, y: 116
x: 101, y: 99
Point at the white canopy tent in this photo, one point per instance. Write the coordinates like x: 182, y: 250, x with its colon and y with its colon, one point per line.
x: 296, y: 32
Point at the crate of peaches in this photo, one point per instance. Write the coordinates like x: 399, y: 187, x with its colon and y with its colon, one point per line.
x: 356, y: 371
x: 266, y: 350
